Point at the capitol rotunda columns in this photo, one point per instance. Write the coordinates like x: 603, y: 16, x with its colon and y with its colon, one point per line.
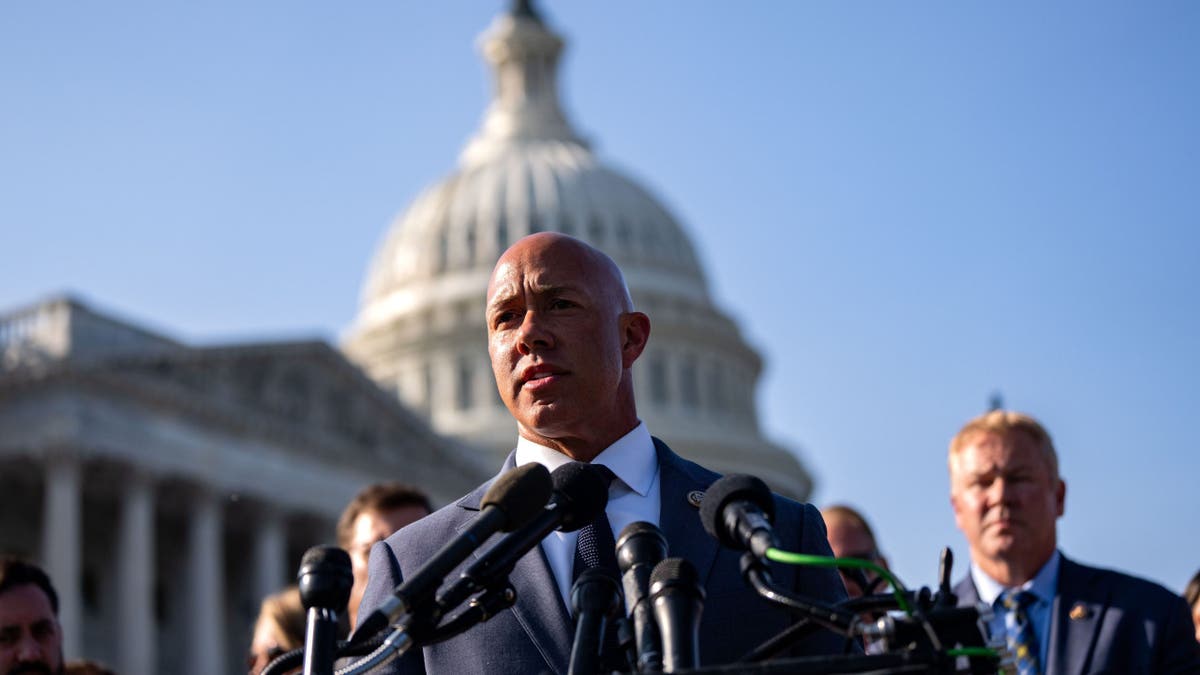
x: 135, y: 576
x: 61, y: 544
x: 270, y: 553
x: 205, y: 586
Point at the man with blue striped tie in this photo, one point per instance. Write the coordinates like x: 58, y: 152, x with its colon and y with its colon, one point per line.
x: 1056, y: 616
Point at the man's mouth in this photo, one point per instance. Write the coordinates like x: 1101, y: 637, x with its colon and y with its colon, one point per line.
x: 540, y: 375
x: 34, y: 668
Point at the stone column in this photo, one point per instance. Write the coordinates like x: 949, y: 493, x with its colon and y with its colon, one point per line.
x: 206, y: 587
x: 62, y: 553
x: 270, y: 553
x: 135, y: 577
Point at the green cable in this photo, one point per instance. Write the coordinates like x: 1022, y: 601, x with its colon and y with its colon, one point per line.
x: 898, y: 588
x: 973, y: 651
x: 790, y: 558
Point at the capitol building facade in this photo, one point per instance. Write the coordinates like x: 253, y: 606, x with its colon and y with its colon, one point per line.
x: 167, y: 487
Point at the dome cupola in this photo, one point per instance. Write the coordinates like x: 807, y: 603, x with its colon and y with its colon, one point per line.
x: 420, y: 330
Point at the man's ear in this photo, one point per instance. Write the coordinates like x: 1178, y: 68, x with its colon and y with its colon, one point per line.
x: 635, y: 332
x: 1060, y: 495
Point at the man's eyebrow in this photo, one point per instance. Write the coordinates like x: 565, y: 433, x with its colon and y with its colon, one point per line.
x: 549, y: 289
x: 506, y: 295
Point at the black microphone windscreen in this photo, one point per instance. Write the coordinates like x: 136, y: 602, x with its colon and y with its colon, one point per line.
x: 324, y: 559
x: 582, y: 494
x: 734, y: 487
x: 640, y: 541
x: 521, y: 494
x: 596, y: 589
x: 675, y: 572
x: 325, y: 577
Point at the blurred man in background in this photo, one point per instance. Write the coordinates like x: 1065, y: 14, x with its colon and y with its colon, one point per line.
x: 850, y: 536
x: 30, y: 636
x: 373, y: 515
x: 1057, y: 616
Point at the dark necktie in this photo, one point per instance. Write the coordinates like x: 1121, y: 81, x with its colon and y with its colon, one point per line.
x: 1019, y: 630
x: 597, y: 548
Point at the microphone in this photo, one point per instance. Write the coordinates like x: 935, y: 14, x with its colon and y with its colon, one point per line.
x: 580, y: 494
x: 678, y: 600
x: 325, y: 580
x: 514, y: 499
x: 738, y: 510
x: 640, y: 547
x: 595, y: 599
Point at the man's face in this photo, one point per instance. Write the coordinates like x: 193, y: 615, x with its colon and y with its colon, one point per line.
x: 560, y: 342
x: 375, y: 526
x: 1006, y: 501
x: 371, y: 527
x: 30, y: 637
x: 1196, y: 618
x: 848, y: 540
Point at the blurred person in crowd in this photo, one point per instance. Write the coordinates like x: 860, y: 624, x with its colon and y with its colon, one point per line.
x: 1192, y: 596
x: 30, y: 635
x: 1057, y: 616
x: 850, y: 536
x: 373, y: 515
x: 279, y: 629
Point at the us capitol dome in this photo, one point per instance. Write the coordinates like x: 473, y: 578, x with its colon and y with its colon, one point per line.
x: 420, y: 329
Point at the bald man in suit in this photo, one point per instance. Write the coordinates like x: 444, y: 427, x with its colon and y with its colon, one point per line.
x: 563, y: 337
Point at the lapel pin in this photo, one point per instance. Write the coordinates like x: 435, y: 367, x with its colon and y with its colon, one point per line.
x: 695, y: 497
x: 1079, y: 612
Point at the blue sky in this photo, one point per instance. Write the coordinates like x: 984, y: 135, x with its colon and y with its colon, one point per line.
x: 908, y: 206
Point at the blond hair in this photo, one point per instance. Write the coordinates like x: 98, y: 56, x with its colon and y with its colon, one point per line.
x: 284, y: 613
x: 1006, y: 424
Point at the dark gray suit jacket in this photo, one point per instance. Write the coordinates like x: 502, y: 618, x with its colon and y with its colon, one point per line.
x: 1103, y: 621
x: 535, y: 635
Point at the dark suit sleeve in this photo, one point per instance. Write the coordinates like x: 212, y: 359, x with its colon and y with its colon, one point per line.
x: 1177, y: 650
x: 819, y: 582
x: 802, y: 530
x: 383, y: 575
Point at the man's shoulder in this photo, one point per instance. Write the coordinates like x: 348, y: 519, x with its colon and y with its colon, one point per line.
x: 1120, y: 587
x: 791, y: 516
x: 701, y: 474
x: 423, y: 537
x: 1078, y: 581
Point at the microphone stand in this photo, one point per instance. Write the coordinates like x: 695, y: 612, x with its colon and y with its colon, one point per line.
x: 596, y: 599
x: 325, y: 580
x: 755, y: 571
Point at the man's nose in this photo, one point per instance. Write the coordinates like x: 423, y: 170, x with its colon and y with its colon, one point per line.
x: 533, y: 333
x: 29, y: 650
x: 1001, y: 491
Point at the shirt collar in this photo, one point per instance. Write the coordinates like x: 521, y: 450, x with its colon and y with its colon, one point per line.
x: 1042, y: 585
x: 631, y: 458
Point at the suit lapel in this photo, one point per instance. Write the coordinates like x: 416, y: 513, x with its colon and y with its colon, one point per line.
x: 1074, y: 619
x: 539, y: 607
x: 967, y: 594
x: 678, y: 519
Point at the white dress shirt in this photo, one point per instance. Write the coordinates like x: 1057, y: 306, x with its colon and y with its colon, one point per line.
x: 632, y: 497
x: 1044, y: 585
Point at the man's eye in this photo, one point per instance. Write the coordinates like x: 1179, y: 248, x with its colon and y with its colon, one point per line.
x: 559, y: 303
x: 504, y: 317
